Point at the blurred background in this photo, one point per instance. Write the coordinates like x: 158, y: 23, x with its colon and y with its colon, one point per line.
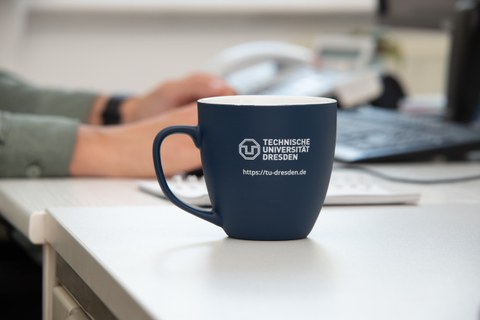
x: 130, y: 46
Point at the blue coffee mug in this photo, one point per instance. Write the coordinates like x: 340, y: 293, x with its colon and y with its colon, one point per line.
x: 266, y: 160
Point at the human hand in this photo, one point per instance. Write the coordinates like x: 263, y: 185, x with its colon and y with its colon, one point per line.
x: 173, y: 94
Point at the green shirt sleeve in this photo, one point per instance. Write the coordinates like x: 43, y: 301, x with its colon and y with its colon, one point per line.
x: 38, y: 127
x: 19, y: 96
x: 36, y: 146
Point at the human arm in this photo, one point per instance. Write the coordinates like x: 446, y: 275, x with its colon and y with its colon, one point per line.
x: 49, y: 146
x: 126, y: 151
x: 19, y: 96
x: 167, y: 96
x: 41, y: 145
x: 36, y: 146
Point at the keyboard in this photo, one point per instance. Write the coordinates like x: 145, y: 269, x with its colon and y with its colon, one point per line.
x: 368, y: 134
x: 347, y: 187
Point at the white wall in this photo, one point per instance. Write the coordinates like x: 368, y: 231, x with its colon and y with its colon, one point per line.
x: 128, y: 47
x: 12, y: 17
x: 123, y: 51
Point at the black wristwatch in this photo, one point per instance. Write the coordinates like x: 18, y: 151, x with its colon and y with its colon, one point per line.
x: 111, y: 113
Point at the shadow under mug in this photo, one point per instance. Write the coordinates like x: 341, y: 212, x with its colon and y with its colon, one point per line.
x: 266, y: 160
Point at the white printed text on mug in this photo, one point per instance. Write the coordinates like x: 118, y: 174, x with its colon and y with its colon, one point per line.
x: 274, y: 149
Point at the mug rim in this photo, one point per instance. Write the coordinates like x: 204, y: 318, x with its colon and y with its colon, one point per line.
x: 266, y: 100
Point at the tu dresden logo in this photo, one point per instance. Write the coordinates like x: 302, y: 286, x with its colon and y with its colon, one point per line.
x: 249, y: 149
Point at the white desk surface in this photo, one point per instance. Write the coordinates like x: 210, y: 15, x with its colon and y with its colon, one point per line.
x: 23, y: 202
x: 396, y: 262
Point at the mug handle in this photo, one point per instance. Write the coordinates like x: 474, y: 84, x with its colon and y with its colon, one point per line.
x: 193, y: 132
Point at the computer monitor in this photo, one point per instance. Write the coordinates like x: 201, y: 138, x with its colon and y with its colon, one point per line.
x: 463, y: 90
x: 462, y: 19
